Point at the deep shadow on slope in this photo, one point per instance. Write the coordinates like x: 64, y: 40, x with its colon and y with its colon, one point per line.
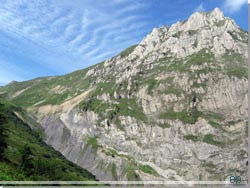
x: 27, y: 157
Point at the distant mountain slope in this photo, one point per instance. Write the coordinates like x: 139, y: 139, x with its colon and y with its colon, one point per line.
x: 27, y: 157
x: 173, y: 107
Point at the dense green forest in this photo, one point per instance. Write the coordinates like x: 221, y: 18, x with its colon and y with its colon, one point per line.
x: 25, y: 157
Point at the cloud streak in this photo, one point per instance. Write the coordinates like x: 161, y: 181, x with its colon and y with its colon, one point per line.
x: 234, y: 5
x: 84, y: 33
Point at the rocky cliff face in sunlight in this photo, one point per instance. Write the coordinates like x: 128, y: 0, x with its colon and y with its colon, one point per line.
x: 173, y: 107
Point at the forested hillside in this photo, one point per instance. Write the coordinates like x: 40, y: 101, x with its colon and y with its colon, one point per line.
x: 23, y: 154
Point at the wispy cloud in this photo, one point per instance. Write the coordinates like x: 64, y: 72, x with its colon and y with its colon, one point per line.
x: 234, y: 5
x: 200, y: 8
x: 82, y: 33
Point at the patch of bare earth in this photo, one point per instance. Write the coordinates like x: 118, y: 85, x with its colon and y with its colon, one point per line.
x: 58, y: 89
x: 19, y: 92
x: 64, y: 107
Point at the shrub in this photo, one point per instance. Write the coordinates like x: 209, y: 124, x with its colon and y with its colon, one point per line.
x: 209, y: 138
x: 192, y: 137
x: 148, y: 169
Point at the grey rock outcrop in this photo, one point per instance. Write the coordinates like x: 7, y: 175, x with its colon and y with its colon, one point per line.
x: 169, y: 141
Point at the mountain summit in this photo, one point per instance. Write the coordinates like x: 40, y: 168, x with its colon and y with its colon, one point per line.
x: 173, y: 107
x: 202, y: 30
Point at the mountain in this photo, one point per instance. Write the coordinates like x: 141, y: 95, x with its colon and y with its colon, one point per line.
x: 172, y: 107
x: 25, y: 156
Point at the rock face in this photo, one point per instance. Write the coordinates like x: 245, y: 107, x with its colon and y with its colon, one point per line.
x: 173, y: 107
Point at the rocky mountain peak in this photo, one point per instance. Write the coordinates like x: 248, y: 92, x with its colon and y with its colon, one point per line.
x: 200, y: 19
x: 217, y: 13
x: 201, y: 30
x: 214, y: 14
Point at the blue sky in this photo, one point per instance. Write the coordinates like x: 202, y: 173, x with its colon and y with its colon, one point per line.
x: 45, y: 37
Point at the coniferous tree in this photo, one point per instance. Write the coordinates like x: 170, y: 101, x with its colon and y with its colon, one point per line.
x: 3, y: 134
x: 27, y: 159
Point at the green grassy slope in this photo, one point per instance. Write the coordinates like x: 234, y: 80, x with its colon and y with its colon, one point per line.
x: 56, y: 90
x: 27, y: 157
x: 40, y: 90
